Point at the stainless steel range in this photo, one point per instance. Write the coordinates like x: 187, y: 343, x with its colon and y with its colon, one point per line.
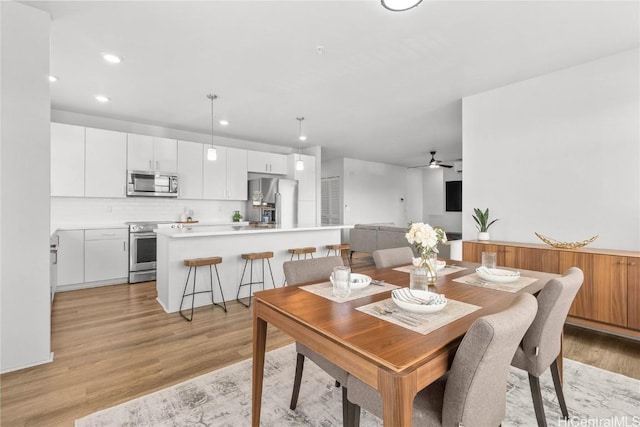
x: 142, y: 249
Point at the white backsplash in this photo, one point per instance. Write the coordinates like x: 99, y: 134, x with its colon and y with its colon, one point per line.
x: 74, y: 211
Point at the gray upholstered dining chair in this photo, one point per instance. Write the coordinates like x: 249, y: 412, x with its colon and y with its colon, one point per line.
x: 480, y: 366
x: 541, y: 345
x: 392, y: 257
x: 306, y: 271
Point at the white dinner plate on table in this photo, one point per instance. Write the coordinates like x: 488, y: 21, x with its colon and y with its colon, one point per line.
x: 417, y: 307
x: 497, y: 275
x: 359, y: 281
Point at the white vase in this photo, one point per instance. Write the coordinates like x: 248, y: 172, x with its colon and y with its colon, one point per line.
x: 483, y: 235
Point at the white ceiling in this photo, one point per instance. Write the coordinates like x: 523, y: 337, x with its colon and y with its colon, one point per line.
x: 387, y: 88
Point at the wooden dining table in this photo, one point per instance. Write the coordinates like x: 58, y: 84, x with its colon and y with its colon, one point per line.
x: 396, y: 361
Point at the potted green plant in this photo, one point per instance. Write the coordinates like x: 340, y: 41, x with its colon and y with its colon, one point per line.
x: 482, y: 223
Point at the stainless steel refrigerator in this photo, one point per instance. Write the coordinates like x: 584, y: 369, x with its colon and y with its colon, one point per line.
x: 273, y: 200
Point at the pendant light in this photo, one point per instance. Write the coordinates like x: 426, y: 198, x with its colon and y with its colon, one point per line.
x: 212, y: 154
x: 301, y: 137
x: 400, y: 5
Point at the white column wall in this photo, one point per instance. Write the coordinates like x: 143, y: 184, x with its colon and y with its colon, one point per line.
x: 25, y: 304
x: 558, y: 154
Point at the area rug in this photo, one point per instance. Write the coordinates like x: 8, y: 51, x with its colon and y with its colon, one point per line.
x: 223, y: 398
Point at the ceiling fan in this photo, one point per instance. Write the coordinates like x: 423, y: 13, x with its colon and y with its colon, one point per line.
x: 433, y: 163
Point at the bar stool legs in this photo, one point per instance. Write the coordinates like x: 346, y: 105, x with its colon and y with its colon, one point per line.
x: 339, y: 250
x: 193, y: 264
x: 250, y: 257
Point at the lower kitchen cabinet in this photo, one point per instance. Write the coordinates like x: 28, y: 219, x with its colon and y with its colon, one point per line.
x: 610, y: 294
x: 106, y: 254
x: 70, y: 259
x: 92, y: 257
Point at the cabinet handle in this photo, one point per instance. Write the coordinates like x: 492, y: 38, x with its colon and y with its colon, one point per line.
x: 632, y: 263
x: 124, y: 246
x: 150, y: 165
x: 108, y: 234
x: 157, y: 165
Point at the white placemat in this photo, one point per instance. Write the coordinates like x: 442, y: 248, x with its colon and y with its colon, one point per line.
x: 422, y: 323
x: 474, y: 279
x: 325, y: 290
x: 447, y: 270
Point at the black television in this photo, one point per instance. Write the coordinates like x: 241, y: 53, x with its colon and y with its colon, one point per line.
x: 453, y: 196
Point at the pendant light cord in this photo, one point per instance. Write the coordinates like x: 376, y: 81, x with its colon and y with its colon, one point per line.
x: 212, y: 97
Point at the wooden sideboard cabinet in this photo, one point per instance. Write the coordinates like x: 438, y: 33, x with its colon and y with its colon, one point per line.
x: 609, y: 298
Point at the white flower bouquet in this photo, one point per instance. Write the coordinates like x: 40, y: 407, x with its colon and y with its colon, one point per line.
x: 425, y: 239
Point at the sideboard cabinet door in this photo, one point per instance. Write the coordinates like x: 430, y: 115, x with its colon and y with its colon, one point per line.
x: 603, y: 295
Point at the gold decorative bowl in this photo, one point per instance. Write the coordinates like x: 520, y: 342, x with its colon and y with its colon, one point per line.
x: 565, y: 245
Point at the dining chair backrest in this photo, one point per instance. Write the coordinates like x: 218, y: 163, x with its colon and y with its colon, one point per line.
x: 476, y: 389
x: 307, y: 270
x: 384, y: 258
x: 541, y: 344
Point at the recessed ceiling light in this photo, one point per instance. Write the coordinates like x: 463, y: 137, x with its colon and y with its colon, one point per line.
x: 53, y: 79
x: 111, y: 58
x: 102, y: 98
x: 224, y: 122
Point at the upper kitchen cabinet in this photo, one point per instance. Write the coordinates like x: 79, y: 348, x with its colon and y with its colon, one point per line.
x: 67, y: 160
x: 225, y: 178
x: 105, y: 163
x: 190, y: 158
x: 263, y: 162
x: 151, y: 153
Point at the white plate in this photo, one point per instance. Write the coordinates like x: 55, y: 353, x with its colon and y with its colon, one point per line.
x: 497, y: 275
x: 359, y: 281
x: 418, y: 308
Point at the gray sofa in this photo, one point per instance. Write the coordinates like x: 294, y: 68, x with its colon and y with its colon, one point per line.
x: 370, y: 237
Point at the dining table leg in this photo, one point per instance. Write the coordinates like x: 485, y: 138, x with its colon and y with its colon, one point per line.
x: 397, y: 394
x: 259, y: 342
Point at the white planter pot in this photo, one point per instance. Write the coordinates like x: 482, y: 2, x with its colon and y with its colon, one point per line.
x: 483, y: 235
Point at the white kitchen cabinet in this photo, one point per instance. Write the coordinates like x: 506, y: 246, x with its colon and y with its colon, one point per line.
x: 105, y: 163
x: 190, y: 157
x: 151, y: 153
x: 70, y: 257
x: 225, y: 178
x: 263, y: 162
x: 67, y: 160
x: 106, y: 254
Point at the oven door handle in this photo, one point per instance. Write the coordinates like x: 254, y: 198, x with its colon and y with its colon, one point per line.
x: 143, y: 235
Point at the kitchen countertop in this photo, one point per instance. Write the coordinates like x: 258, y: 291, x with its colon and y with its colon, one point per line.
x: 226, y: 230
x: 124, y: 224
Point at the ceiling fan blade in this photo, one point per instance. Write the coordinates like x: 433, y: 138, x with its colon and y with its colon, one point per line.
x: 446, y: 166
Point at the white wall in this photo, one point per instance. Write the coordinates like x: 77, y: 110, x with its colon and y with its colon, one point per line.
x: 376, y: 192
x: 434, y: 199
x: 558, y: 154
x: 25, y: 304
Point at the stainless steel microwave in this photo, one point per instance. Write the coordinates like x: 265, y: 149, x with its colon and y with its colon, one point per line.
x: 150, y: 184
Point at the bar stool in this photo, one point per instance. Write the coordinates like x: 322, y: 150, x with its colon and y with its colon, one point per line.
x: 302, y: 251
x: 339, y: 249
x: 194, y: 264
x: 250, y: 257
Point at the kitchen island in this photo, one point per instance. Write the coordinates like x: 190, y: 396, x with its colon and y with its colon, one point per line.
x: 229, y: 242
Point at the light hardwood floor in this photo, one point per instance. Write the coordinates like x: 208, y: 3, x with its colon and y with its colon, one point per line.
x: 115, y: 343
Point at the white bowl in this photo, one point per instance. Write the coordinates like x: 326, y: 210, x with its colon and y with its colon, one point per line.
x: 497, y: 275
x: 359, y: 281
x: 440, y: 265
x: 418, y: 308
